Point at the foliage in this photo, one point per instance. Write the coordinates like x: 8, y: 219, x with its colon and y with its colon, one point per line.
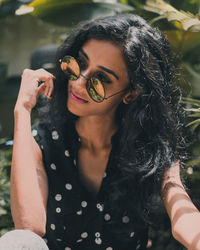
x: 62, y: 12
x: 180, y: 21
x: 194, y: 111
x: 8, y: 7
x: 71, y: 12
x: 182, y: 28
x: 6, y: 223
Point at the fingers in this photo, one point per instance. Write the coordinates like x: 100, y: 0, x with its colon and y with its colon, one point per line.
x: 49, y: 88
x: 47, y: 78
x: 40, y: 75
x: 44, y: 75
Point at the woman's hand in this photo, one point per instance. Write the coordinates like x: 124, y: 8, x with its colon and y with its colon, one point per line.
x: 29, y: 89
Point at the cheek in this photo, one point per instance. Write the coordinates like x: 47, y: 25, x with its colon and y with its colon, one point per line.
x: 106, y: 107
x: 92, y: 108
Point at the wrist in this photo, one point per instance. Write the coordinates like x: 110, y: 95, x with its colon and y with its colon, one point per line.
x: 21, y: 109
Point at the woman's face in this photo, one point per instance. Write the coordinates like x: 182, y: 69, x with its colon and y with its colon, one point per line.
x: 104, y: 60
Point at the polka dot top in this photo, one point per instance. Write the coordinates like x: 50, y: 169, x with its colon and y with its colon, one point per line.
x: 76, y: 219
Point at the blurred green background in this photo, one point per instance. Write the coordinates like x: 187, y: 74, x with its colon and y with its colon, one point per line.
x: 30, y: 32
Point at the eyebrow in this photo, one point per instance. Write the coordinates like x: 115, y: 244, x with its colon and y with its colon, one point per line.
x: 101, y: 67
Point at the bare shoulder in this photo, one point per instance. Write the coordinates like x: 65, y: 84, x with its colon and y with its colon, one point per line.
x: 172, y: 180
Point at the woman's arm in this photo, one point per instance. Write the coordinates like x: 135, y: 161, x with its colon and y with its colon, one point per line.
x: 29, y: 185
x: 184, y: 216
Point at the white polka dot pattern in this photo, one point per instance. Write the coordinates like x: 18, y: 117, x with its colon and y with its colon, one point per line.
x: 79, y: 212
x: 42, y: 147
x: 98, y: 241
x: 53, y: 166
x: 84, y: 203
x: 58, y: 210
x: 58, y: 197
x: 97, y: 234
x: 107, y: 217
x: 67, y: 153
x: 34, y: 132
x: 100, y: 207
x: 55, y: 135
x: 125, y: 219
x: 84, y: 235
x: 138, y: 246
x: 79, y: 240
x: 68, y: 186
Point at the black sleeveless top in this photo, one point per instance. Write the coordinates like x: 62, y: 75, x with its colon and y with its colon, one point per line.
x: 76, y: 219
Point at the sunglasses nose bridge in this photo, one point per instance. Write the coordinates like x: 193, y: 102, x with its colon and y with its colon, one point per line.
x: 82, y: 81
x: 84, y: 77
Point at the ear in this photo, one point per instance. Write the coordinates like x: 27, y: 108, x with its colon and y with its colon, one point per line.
x: 131, y: 96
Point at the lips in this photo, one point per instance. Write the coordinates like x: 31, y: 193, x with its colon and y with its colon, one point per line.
x: 77, y: 98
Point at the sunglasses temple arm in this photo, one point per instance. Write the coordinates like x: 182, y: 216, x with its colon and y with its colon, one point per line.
x: 115, y: 93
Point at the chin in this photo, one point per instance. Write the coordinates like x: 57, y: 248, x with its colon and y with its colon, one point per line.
x: 74, y: 110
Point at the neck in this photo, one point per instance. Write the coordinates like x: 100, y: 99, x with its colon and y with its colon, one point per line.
x: 96, y: 131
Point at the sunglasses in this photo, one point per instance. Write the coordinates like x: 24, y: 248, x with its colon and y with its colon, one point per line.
x: 94, y: 86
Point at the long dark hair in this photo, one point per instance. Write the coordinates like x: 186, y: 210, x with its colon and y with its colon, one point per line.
x: 151, y: 138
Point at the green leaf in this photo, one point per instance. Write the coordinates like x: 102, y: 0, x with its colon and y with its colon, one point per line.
x: 2, y: 211
x: 194, y: 162
x: 193, y: 122
x: 191, y: 101
x: 71, y: 12
x: 124, y: 1
x: 191, y: 110
x: 43, y: 7
x: 194, y: 2
x: 180, y: 19
x: 195, y: 115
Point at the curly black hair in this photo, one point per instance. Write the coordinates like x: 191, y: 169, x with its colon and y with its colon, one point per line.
x: 151, y: 137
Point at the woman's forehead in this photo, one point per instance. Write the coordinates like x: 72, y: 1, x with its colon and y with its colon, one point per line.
x: 106, y: 53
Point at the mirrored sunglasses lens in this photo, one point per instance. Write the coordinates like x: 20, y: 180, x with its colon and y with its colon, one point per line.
x: 96, y: 90
x: 70, y: 67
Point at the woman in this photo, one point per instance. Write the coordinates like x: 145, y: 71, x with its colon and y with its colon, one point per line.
x: 110, y: 141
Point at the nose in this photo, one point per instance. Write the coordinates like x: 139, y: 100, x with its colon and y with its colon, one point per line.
x: 83, y: 78
x: 81, y: 82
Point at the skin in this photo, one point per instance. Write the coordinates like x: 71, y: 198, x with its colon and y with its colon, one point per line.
x: 29, y: 183
x: 97, y: 123
x: 97, y: 120
x: 95, y: 126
